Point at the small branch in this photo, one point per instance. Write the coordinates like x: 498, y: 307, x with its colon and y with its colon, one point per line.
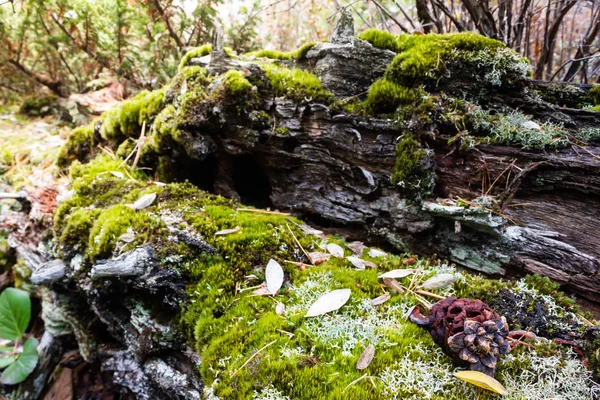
x: 298, y: 243
x: 263, y: 211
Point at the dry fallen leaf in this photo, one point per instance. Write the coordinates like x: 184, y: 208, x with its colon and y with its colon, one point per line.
x: 335, y: 250
x: 329, y: 302
x: 438, y: 282
x: 311, y: 231
x: 279, y: 308
x: 357, y: 247
x: 274, y: 276
x: 228, y: 231
x: 316, y: 257
x: 397, y: 273
x: 394, y: 285
x: 357, y: 262
x: 377, y: 253
x: 128, y: 236
x: 377, y: 301
x: 118, y: 174
x: 262, y: 291
x: 370, y: 264
x: 481, y: 380
x: 366, y: 357
x: 144, y: 201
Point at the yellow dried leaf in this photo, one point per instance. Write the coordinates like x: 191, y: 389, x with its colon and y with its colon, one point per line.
x: 481, y: 380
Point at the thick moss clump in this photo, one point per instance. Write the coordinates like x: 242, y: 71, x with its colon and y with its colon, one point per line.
x: 296, y: 55
x: 126, y: 120
x: 411, y: 171
x: 296, y: 84
x: 39, y: 106
x: 79, y: 146
x: 380, y: 39
x: 386, y: 96
x: 595, y: 95
x: 196, y: 52
x: 433, y: 59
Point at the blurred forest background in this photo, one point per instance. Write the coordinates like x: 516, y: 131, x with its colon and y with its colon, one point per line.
x: 74, y: 46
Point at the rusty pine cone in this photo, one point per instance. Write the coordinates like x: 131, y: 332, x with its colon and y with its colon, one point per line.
x: 468, y: 330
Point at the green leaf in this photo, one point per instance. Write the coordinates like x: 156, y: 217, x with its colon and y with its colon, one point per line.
x: 26, y: 362
x: 15, y: 312
x: 6, y: 361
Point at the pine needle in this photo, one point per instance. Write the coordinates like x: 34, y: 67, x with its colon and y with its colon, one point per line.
x: 251, y: 358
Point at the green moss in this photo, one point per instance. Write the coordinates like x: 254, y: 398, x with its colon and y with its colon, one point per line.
x: 114, y: 222
x: 236, y: 85
x: 194, y: 53
x: 595, y: 94
x: 296, y: 84
x: 38, y: 106
x: 7, y: 257
x: 433, y: 58
x: 126, y: 120
x: 79, y: 146
x: 380, y: 39
x: 410, y: 171
x: 386, y: 96
x: 298, y: 54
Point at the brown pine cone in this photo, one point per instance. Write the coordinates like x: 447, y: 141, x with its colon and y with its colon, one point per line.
x: 468, y: 330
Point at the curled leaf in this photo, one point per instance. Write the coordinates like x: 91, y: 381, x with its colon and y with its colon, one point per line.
x: 227, y: 231
x: 438, y: 282
x: 262, y: 291
x: 128, y: 236
x: 335, y: 250
x: 331, y: 301
x: 279, y: 308
x: 357, y: 262
x: 366, y: 357
x: 397, y: 273
x: 316, y: 257
x: 481, y: 380
x: 273, y: 276
x: 394, y: 285
x: 377, y: 301
x: 312, y: 231
x: 144, y: 201
x: 357, y: 247
x: 370, y: 264
x: 377, y: 253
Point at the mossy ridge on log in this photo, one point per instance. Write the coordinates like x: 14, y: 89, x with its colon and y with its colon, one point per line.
x: 408, y: 140
x: 309, y: 358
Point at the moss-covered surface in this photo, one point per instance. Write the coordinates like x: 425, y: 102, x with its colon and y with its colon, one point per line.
x: 595, y: 95
x: 297, y: 55
x: 296, y: 84
x: 39, y: 106
x: 249, y: 351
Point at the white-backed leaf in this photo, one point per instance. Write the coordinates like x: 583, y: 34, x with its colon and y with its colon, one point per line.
x: 397, y: 273
x: 438, y: 282
x: 227, y: 231
x: 274, y: 276
x: 144, y: 201
x: 279, y: 308
x: 377, y: 301
x: 118, y: 174
x: 357, y: 247
x: 335, y: 250
x: 377, y: 253
x: 317, y: 257
x: 329, y: 302
x: 159, y: 184
x: 370, y: 264
x: 366, y: 357
x: 481, y: 380
x: 128, y: 236
x: 394, y: 285
x: 357, y: 262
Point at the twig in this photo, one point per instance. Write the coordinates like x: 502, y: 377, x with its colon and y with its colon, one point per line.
x: 299, y: 264
x: 140, y: 144
x: 263, y: 211
x: 14, y: 196
x: 251, y: 358
x: 499, y: 176
x: 298, y: 243
x: 435, y: 296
